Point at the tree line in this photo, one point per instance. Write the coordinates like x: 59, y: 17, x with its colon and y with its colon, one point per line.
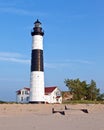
x: 81, y: 90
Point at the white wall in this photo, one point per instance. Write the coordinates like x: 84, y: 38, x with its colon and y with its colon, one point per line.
x: 23, y: 97
x: 51, y: 98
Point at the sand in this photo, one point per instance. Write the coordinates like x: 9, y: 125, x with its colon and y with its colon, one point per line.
x: 40, y: 117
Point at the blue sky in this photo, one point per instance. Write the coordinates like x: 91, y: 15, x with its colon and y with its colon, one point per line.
x: 73, y: 42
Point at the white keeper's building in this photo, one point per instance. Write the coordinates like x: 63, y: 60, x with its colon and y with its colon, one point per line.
x: 52, y: 95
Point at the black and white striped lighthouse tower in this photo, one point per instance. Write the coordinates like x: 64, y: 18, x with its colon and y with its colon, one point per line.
x: 37, y: 65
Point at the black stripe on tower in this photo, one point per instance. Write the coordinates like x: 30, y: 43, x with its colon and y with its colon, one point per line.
x: 37, y: 31
x: 37, y: 60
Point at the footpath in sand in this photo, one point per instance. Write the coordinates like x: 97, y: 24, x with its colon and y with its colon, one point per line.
x: 40, y: 117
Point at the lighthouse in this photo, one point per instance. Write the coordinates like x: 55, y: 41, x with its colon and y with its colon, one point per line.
x: 37, y: 65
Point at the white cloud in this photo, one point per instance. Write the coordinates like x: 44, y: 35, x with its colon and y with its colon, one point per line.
x: 19, y: 58
x: 7, y: 3
x: 13, y: 57
x: 56, y: 65
x: 79, y: 61
x: 67, y: 63
x: 9, y: 54
x: 21, y: 11
x: 15, y: 11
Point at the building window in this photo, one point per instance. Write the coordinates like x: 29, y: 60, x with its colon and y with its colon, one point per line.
x: 26, y: 92
x: 27, y: 98
x: 58, y: 93
x: 57, y: 99
x: 21, y: 98
x: 22, y: 92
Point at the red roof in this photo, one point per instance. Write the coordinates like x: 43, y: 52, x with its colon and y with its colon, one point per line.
x: 27, y: 89
x: 49, y: 90
x: 24, y: 88
x: 58, y: 97
x: 19, y: 91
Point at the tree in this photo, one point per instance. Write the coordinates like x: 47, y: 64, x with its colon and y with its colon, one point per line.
x: 77, y: 88
x: 100, y: 97
x: 82, y: 90
x: 92, y: 91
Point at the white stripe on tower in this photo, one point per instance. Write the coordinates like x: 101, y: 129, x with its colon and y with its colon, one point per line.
x: 37, y: 66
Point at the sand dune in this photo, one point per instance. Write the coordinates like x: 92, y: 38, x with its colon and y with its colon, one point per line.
x: 40, y: 117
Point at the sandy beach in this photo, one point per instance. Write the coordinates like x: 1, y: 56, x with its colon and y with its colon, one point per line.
x: 40, y: 117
